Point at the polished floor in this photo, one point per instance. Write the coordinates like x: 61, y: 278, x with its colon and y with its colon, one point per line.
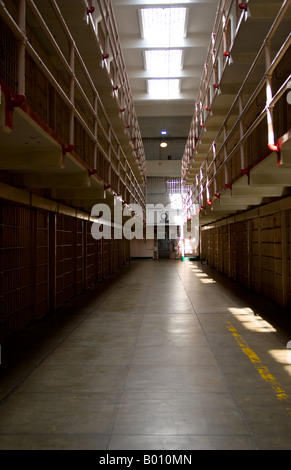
x: 168, y: 356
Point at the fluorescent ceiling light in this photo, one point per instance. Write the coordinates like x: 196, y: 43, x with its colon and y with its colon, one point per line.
x: 164, y: 62
x: 164, y: 88
x: 165, y: 26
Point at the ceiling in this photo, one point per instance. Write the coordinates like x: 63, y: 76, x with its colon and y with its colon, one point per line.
x: 174, y: 115
x: 267, y: 180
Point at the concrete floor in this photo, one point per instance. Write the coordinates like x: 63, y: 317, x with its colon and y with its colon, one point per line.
x: 166, y: 356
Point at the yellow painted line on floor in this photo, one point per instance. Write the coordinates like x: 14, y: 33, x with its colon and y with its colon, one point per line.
x: 263, y: 370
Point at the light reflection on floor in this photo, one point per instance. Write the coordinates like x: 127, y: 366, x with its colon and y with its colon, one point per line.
x: 252, y: 322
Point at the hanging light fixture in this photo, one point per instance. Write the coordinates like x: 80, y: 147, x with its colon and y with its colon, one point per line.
x: 164, y: 132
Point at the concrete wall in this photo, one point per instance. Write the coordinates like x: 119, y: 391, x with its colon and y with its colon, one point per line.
x: 163, y: 167
x: 142, y: 248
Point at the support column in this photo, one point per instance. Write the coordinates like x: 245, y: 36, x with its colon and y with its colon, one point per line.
x: 241, y: 128
x: 72, y: 94
x: 269, y: 96
x: 250, y: 253
x: 52, y: 262
x: 284, y: 244
x: 226, y: 173
x: 260, y: 257
x: 21, y: 49
x: 95, y: 132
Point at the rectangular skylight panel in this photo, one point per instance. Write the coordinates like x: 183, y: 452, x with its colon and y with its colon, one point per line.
x: 164, y: 63
x: 164, y: 88
x: 164, y: 26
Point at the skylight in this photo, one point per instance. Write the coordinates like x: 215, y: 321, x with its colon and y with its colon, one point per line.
x: 164, y: 29
x: 164, y: 88
x: 165, y: 26
x: 164, y: 63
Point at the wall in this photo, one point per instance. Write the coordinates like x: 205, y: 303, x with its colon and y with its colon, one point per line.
x: 253, y: 248
x: 142, y: 248
x: 160, y: 168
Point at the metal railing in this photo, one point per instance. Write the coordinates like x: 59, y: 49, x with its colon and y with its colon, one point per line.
x: 126, y: 161
x: 227, y: 158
